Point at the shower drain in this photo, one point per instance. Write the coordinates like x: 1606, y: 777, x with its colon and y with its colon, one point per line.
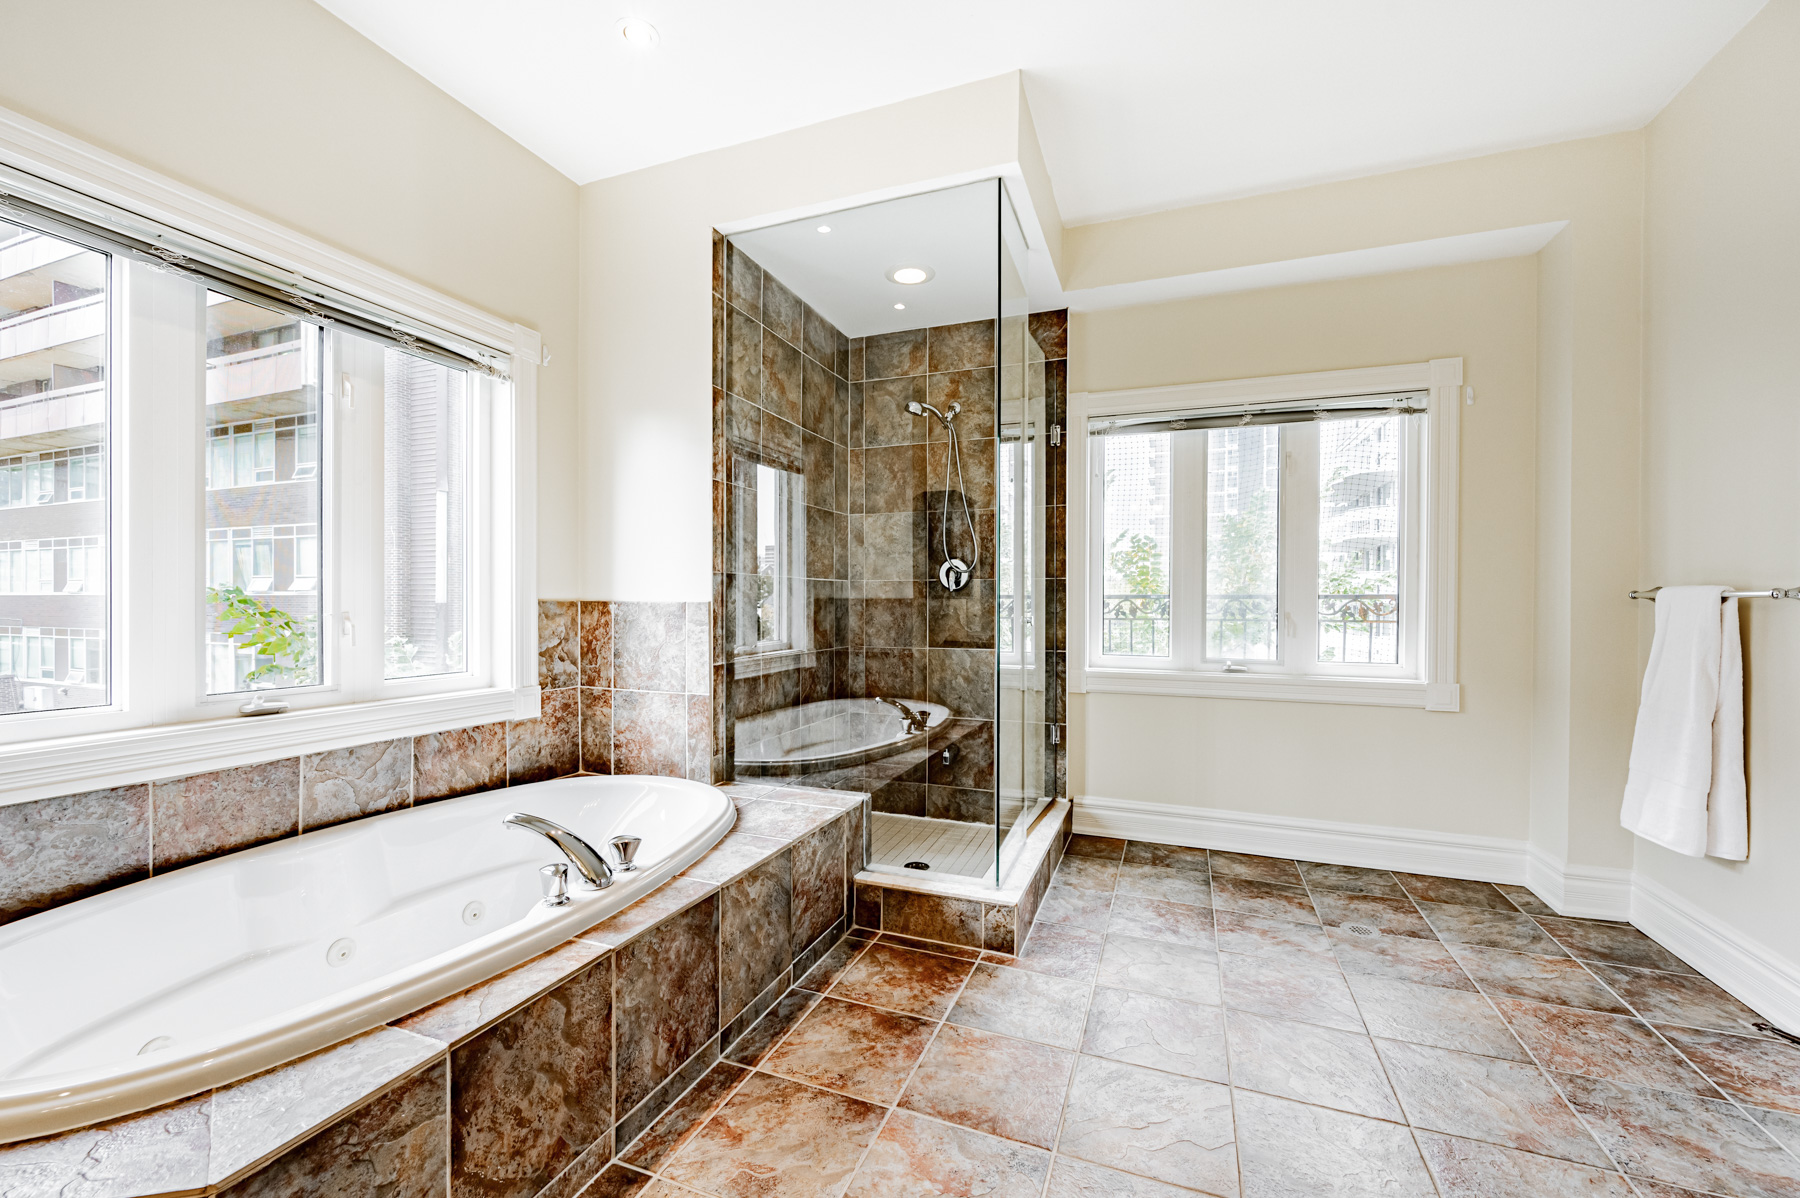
x: 1357, y: 929
x: 917, y: 865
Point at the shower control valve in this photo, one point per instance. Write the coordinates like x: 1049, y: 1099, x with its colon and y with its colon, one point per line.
x: 954, y: 574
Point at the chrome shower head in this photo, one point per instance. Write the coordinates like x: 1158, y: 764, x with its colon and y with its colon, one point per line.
x: 916, y: 408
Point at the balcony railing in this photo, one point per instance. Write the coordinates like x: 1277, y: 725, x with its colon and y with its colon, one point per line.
x: 1242, y: 627
x: 1135, y: 625
x: 53, y: 411
x: 267, y: 370
x: 1360, y: 629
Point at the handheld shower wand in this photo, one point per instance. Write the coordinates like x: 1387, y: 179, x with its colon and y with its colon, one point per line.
x: 954, y: 573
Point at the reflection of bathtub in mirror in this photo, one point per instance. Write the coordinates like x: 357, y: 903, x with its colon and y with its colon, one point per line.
x: 828, y: 735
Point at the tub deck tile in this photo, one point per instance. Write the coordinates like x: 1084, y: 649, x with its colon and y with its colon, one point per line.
x: 460, y: 1016
x: 671, y: 898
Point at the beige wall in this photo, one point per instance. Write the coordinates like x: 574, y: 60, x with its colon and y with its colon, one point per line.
x: 1722, y: 415
x: 646, y: 306
x: 283, y: 109
x: 1463, y: 772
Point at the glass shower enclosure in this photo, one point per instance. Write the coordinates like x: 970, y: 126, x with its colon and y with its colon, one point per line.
x: 882, y: 471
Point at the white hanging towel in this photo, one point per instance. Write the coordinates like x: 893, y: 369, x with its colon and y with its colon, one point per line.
x: 1686, y: 789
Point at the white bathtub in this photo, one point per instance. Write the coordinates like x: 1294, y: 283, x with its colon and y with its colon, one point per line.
x: 208, y: 974
x: 827, y: 734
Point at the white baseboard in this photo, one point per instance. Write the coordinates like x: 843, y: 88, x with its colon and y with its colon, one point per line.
x: 1410, y: 850
x: 1757, y: 976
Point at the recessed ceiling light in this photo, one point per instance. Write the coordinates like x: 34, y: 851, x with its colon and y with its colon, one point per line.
x: 900, y: 307
x: 909, y: 276
x: 824, y: 228
x: 638, y: 33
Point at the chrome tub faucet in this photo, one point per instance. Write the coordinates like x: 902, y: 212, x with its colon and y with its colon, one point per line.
x: 595, y: 873
x: 915, y: 721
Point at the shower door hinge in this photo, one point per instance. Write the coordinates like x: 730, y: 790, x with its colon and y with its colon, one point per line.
x: 1055, y: 734
x: 1056, y: 434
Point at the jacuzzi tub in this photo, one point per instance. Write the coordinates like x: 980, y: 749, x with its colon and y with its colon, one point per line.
x: 211, y: 973
x: 827, y: 735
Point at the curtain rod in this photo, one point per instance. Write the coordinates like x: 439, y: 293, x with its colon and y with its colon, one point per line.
x: 1771, y: 593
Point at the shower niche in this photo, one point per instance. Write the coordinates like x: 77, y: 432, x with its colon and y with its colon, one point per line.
x: 888, y: 548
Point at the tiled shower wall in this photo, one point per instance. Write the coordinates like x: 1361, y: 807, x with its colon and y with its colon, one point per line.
x: 1049, y: 331
x: 624, y: 690
x: 791, y: 392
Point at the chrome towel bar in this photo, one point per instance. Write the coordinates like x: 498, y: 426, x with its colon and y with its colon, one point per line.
x: 1772, y: 593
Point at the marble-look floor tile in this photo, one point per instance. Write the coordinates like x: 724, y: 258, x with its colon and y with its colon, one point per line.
x: 1525, y: 899
x: 1489, y: 928
x: 904, y: 980
x: 1780, y: 1124
x: 1291, y: 1150
x: 621, y: 1181
x: 941, y: 948
x: 1400, y: 958
x: 1174, y: 856
x: 1173, y: 1129
x: 1389, y: 916
x: 1484, y: 1098
x: 1684, y: 1140
x: 1432, y: 1015
x: 1073, y: 1178
x: 861, y: 1051
x: 991, y: 1083
x: 1165, y: 882
x: 1031, y: 1006
x: 920, y: 1158
x: 832, y: 966
x: 1257, y: 936
x: 688, y: 1115
x: 1611, y: 944
x: 1561, y: 980
x: 1155, y: 919
x: 1060, y: 950
x: 1086, y: 873
x: 1289, y: 989
x: 1162, y: 1033
x: 1352, y: 878
x: 1593, y: 1044
x: 1458, y: 891
x: 1160, y: 967
x: 1088, y: 909
x: 1682, y: 998
x: 777, y: 1139
x: 1110, y: 848
x: 1763, y: 1073
x: 1307, y: 1063
x: 1257, y: 869
x: 1263, y: 898
x: 766, y: 1033
x: 1471, y: 1169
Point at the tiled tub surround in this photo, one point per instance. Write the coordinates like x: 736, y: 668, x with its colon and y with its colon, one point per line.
x: 616, y: 699
x: 1183, y: 1023
x: 522, y: 1085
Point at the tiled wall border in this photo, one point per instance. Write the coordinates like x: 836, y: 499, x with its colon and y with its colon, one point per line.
x: 624, y: 689
x: 522, y: 1086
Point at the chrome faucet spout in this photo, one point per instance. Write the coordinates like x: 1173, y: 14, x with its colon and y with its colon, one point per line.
x: 916, y: 721
x: 595, y: 873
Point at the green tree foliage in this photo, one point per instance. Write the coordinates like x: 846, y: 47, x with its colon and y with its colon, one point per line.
x: 1136, y: 560
x: 271, y: 632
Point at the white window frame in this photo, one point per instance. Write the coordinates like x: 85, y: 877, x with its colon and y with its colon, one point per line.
x: 160, y: 722
x: 793, y: 650
x: 1433, y: 686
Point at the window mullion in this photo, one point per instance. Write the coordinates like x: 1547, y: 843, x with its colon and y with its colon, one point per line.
x: 1299, y: 548
x: 1187, y: 550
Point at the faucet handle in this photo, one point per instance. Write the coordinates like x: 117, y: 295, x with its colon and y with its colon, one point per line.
x: 555, y: 882
x: 626, y: 847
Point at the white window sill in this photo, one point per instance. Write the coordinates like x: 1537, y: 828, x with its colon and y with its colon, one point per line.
x: 1286, y: 688
x: 41, y: 769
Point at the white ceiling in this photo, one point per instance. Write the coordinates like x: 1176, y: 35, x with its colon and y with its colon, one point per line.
x: 1140, y: 105
x: 843, y: 273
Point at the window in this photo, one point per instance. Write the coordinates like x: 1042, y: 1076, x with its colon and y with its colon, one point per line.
x: 222, y: 480
x: 772, y: 577
x: 1276, y: 547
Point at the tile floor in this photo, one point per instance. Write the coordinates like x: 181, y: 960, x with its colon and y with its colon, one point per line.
x: 1185, y: 1022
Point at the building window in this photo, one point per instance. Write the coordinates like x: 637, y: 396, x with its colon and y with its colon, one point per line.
x: 237, y: 478
x: 1255, y: 548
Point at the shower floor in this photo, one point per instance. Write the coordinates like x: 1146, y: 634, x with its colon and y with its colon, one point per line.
x: 948, y: 846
